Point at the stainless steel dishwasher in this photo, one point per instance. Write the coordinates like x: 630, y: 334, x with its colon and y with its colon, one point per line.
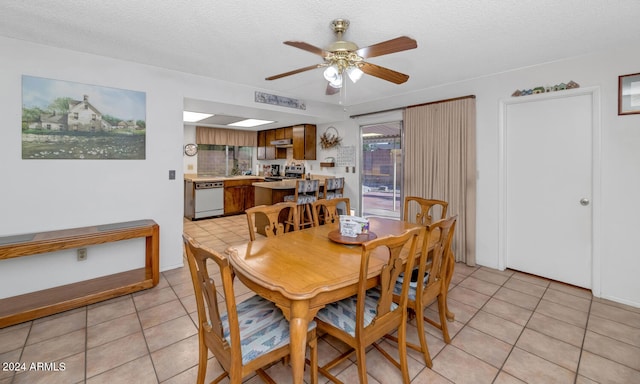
x: 203, y: 199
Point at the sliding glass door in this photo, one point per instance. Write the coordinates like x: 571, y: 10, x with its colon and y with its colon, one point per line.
x: 381, y: 173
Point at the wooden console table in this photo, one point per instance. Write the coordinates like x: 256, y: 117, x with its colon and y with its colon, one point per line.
x: 46, y: 302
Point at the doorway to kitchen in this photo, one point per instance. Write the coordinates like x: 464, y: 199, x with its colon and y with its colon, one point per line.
x: 381, y: 174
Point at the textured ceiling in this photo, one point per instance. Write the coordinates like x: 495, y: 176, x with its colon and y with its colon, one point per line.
x: 241, y: 41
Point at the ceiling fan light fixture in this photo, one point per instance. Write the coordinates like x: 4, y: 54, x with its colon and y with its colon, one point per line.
x: 336, y: 84
x: 331, y: 73
x: 354, y: 73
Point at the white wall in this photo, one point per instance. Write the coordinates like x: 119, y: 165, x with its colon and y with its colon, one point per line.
x: 42, y: 195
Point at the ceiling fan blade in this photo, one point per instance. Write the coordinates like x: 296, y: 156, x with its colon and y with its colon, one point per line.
x: 384, y: 73
x: 307, y: 47
x: 331, y: 90
x: 398, y: 44
x: 293, y: 72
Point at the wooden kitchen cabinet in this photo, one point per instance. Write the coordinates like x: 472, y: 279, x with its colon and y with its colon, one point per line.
x: 270, y: 150
x: 238, y: 195
x: 304, y: 142
x: 283, y: 133
x: 262, y: 145
x: 302, y: 136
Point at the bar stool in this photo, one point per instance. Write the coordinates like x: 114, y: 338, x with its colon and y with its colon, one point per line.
x: 333, y: 188
x: 306, y: 193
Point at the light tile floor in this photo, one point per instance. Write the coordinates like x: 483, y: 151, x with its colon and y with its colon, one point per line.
x: 510, y: 327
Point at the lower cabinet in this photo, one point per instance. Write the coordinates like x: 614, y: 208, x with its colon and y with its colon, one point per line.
x: 238, y: 195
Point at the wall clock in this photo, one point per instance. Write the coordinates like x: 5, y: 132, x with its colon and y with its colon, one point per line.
x: 190, y: 149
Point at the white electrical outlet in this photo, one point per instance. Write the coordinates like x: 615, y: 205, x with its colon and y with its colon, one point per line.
x: 82, y: 254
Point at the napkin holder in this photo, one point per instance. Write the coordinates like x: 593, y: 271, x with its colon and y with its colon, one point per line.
x: 352, y: 226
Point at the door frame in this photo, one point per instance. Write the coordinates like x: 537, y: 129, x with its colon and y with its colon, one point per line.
x: 396, y: 115
x: 596, y: 155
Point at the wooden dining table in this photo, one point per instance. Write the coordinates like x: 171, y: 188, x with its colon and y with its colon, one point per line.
x: 302, y: 271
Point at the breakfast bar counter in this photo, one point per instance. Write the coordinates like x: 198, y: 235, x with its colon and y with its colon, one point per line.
x: 271, y: 192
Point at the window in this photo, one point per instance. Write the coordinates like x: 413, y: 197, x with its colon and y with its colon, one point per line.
x: 224, y: 160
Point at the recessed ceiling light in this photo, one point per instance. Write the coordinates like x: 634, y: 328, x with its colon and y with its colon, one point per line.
x: 192, y: 117
x: 248, y: 123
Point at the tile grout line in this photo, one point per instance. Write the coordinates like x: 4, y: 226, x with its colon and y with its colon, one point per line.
x: 146, y: 344
x: 24, y: 345
x: 584, y: 337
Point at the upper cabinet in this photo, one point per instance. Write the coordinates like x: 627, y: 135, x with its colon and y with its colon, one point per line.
x: 262, y: 145
x: 304, y: 142
x: 270, y: 151
x: 283, y: 133
x: 303, y: 138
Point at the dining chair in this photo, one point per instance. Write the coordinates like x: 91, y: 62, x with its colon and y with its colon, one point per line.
x: 328, y: 211
x: 275, y: 216
x: 428, y: 211
x: 361, y: 320
x: 305, y: 194
x: 333, y: 188
x: 427, y: 283
x: 250, y: 335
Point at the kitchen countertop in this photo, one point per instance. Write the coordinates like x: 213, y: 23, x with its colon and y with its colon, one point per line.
x: 195, y: 178
x: 284, y: 184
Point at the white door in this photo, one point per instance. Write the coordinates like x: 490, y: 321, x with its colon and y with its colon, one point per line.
x: 548, y: 187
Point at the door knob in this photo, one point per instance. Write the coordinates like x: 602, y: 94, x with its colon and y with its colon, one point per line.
x: 584, y: 201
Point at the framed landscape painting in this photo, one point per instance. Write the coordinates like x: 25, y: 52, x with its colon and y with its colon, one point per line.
x: 68, y: 120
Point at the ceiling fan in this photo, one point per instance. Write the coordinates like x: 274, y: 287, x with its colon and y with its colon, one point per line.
x: 344, y: 57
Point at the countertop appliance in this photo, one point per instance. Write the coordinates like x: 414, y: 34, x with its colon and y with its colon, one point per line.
x: 203, y: 199
x: 290, y: 172
x: 294, y: 171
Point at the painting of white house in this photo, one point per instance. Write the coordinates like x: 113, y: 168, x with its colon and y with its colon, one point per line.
x: 68, y: 120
